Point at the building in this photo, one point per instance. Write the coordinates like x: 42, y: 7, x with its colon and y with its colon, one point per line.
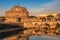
x: 15, y: 14
x: 20, y: 15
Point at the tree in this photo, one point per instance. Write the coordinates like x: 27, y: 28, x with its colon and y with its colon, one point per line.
x: 2, y: 19
x: 43, y: 18
x: 49, y: 17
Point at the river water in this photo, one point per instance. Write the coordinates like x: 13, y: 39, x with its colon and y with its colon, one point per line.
x: 44, y: 38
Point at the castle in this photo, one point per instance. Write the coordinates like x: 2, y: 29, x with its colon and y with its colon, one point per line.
x: 20, y: 15
x: 44, y: 23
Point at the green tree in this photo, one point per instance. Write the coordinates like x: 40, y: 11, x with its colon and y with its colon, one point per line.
x: 43, y: 18
x: 49, y: 17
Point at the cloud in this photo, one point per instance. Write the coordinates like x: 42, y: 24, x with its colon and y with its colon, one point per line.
x: 35, y: 11
x: 53, y: 6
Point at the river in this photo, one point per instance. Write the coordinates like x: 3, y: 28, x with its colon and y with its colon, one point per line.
x: 44, y: 38
x: 39, y: 37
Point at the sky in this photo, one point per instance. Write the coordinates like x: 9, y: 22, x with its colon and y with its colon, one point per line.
x: 35, y: 7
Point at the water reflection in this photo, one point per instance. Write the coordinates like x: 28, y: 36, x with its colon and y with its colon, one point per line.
x: 31, y: 35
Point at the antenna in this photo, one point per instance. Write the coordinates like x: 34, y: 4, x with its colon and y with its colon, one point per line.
x: 17, y: 3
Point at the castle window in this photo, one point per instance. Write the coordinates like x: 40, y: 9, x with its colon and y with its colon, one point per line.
x: 19, y: 19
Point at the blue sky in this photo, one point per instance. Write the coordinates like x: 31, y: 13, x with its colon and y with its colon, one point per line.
x: 34, y: 6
